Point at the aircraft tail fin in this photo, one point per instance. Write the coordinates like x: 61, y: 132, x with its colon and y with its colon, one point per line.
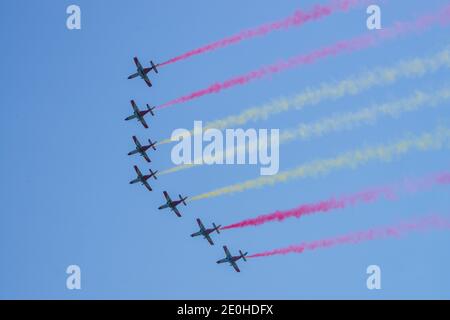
x: 243, y: 255
x: 153, y: 173
x: 152, y: 144
x: 150, y: 109
x: 216, y: 227
x: 154, y: 66
x: 182, y: 199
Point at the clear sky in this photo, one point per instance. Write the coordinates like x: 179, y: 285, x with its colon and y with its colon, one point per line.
x: 64, y: 192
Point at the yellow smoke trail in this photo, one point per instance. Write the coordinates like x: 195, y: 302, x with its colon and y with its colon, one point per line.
x: 345, y: 121
x: 353, y: 85
x: 178, y: 168
x: 437, y: 139
x: 369, y: 115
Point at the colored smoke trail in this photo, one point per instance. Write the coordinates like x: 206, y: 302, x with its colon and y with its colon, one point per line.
x: 345, y: 46
x: 338, y: 48
x: 370, y: 115
x: 428, y: 223
x: 435, y: 140
x: 347, y: 121
x: 353, y: 85
x: 299, y: 18
x: 390, y: 192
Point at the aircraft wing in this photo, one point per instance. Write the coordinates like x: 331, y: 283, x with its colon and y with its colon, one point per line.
x: 166, y: 195
x: 175, y: 210
x: 136, y: 142
x: 144, y: 154
x: 147, y: 185
x: 235, y: 267
x: 135, y: 108
x: 209, y: 239
x: 147, y: 81
x: 227, y: 252
x: 200, y: 224
x: 137, y: 63
x: 144, y: 123
x: 139, y: 173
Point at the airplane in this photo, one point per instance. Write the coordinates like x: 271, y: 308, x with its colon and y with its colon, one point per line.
x: 172, y: 204
x: 137, y: 114
x: 206, y: 232
x: 142, y: 72
x: 143, y: 179
x: 232, y: 259
x: 142, y: 149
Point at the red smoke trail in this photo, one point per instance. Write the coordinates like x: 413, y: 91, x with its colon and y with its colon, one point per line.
x: 424, y: 224
x: 345, y: 46
x: 297, y: 19
x: 369, y: 196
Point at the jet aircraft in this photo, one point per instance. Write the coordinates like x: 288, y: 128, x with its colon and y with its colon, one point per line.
x: 142, y: 150
x: 139, y: 115
x: 206, y: 232
x: 172, y: 204
x: 232, y: 259
x: 142, y: 72
x: 143, y: 178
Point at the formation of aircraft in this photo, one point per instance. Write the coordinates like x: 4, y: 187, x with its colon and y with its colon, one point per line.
x: 143, y: 179
x: 206, y: 232
x: 142, y: 72
x: 139, y: 115
x: 172, y: 205
x: 232, y: 259
x: 142, y: 150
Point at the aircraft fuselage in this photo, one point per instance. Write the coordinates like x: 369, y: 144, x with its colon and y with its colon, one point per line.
x: 139, y: 179
x: 142, y: 113
x: 137, y: 115
x: 139, y: 73
x: 203, y: 233
x: 140, y: 150
x: 229, y: 260
x: 133, y: 116
x: 165, y: 206
x: 170, y: 204
x: 135, y: 181
x: 133, y: 152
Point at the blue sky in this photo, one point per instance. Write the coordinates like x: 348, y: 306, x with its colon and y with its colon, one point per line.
x: 65, y: 197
